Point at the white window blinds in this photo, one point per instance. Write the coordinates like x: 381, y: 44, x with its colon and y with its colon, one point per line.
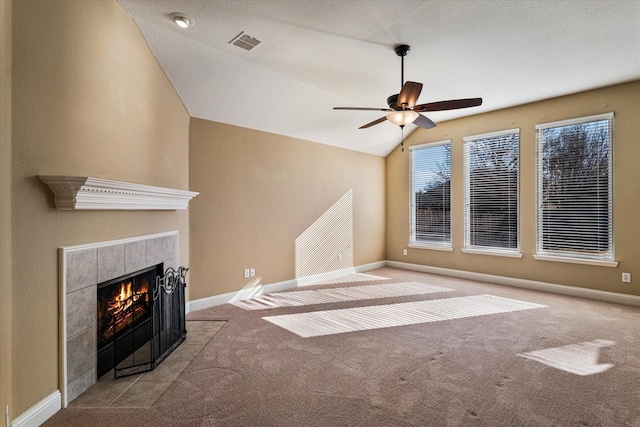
x: 431, y: 194
x: 492, y: 191
x: 574, y: 194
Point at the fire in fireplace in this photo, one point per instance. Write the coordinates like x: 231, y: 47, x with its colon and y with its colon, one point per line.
x: 141, y: 320
x: 124, y: 309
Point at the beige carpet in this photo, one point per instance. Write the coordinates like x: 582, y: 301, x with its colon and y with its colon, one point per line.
x: 562, y: 362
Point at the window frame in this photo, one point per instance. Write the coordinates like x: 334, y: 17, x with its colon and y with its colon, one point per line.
x: 480, y: 249
x: 432, y: 245
x: 572, y: 256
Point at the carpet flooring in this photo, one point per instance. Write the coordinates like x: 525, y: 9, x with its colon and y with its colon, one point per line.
x: 556, y: 361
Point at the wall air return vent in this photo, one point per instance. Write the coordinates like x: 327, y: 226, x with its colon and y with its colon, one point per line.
x: 245, y: 41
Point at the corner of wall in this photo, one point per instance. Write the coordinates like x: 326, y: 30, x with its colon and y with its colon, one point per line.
x: 5, y: 208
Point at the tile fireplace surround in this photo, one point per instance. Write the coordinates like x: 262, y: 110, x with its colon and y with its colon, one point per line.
x: 82, y: 267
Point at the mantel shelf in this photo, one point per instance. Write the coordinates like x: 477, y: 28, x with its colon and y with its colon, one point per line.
x: 87, y: 193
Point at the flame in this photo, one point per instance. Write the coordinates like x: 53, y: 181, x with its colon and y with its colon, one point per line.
x: 127, y: 297
x: 127, y: 305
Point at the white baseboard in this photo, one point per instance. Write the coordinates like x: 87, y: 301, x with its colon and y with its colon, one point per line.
x: 252, y: 292
x: 371, y: 266
x: 41, y: 412
x: 523, y: 283
x: 215, y: 300
x: 575, y: 291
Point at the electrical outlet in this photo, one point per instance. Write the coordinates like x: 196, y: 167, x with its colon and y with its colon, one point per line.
x: 253, y: 272
x: 246, y: 273
x: 404, y: 252
x: 339, y: 257
x: 626, y: 277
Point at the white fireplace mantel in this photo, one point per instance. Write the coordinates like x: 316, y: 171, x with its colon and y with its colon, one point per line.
x: 87, y: 193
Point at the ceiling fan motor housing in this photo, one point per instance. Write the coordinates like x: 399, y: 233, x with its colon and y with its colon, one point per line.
x: 392, y: 101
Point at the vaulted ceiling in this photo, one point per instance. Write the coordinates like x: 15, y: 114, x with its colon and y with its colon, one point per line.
x: 318, y: 54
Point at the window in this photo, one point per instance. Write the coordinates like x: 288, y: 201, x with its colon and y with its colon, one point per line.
x: 575, y: 188
x: 492, y: 191
x: 431, y: 194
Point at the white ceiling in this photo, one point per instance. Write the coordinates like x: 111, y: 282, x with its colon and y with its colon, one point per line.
x: 319, y: 54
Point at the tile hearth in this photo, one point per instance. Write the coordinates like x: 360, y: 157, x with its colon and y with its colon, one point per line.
x: 143, y: 390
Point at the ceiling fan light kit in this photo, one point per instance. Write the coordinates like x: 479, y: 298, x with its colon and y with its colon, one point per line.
x: 402, y: 118
x: 402, y: 108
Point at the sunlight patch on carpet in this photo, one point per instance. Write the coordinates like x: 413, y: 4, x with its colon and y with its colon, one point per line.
x: 331, y: 322
x: 351, y: 278
x: 580, y: 359
x: 352, y: 293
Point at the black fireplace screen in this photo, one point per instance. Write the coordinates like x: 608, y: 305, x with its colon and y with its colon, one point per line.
x: 141, y: 320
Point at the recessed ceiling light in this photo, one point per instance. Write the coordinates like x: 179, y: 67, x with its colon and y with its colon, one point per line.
x: 181, y: 20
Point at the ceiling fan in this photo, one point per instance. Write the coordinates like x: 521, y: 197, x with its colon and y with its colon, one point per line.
x: 402, y: 109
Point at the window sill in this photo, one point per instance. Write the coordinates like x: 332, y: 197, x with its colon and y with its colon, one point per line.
x: 429, y: 247
x: 576, y: 261
x: 492, y: 252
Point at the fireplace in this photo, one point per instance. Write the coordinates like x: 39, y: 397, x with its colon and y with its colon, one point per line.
x: 84, y: 267
x: 124, y: 310
x: 140, y: 320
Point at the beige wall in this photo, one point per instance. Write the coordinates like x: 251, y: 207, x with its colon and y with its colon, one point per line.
x: 89, y: 98
x: 620, y: 99
x: 5, y: 204
x: 260, y: 192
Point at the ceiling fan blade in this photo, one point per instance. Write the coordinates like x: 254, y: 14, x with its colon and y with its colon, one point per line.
x: 362, y: 109
x: 452, y: 104
x: 424, y: 122
x: 375, y: 122
x: 409, y: 94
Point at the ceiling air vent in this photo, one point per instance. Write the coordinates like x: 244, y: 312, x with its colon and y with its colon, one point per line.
x: 245, y: 41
